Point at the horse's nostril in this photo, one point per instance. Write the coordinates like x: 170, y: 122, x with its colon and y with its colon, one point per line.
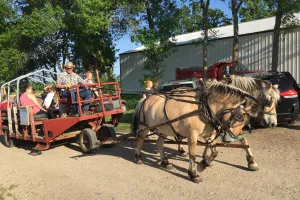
x: 272, y: 125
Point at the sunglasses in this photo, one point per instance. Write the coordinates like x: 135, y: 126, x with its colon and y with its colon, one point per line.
x: 69, y: 68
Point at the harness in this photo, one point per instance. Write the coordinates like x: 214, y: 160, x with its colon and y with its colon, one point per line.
x: 268, y: 103
x: 204, y: 111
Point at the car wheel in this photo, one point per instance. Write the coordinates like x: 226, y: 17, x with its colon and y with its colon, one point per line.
x: 292, y: 122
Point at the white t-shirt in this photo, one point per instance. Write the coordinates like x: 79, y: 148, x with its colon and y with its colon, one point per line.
x: 48, y: 99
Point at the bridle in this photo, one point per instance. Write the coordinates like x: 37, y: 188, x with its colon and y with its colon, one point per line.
x: 235, y: 115
x: 268, y: 103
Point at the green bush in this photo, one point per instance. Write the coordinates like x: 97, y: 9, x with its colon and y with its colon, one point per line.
x: 131, y: 99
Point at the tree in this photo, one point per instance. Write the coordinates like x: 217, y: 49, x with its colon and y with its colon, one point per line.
x: 11, y: 58
x: 205, y: 6
x: 284, y: 16
x: 46, y: 33
x: 235, y: 7
x: 153, y: 27
x: 283, y: 10
x: 191, y: 19
x: 254, y: 10
x: 198, y: 16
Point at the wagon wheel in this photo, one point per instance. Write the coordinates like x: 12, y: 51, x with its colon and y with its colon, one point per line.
x: 88, y: 140
x: 8, y: 141
x: 106, y: 134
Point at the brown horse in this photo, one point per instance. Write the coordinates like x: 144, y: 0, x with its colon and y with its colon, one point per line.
x: 267, y: 96
x: 221, y: 107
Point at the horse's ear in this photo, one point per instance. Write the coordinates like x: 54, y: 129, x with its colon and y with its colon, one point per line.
x: 276, y: 86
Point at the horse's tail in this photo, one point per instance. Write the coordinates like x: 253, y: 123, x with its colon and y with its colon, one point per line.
x: 136, y: 117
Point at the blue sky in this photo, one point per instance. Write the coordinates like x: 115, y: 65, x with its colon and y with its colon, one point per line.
x: 124, y: 44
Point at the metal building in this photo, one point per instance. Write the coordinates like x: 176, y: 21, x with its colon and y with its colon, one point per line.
x: 255, y: 51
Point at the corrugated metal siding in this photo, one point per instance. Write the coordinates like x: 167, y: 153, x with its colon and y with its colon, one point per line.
x: 254, y: 50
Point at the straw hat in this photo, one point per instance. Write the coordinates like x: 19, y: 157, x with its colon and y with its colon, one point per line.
x: 69, y: 64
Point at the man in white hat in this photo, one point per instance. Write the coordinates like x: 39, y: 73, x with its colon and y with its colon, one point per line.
x: 68, y: 79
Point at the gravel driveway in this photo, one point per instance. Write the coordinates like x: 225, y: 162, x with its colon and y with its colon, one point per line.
x: 64, y: 173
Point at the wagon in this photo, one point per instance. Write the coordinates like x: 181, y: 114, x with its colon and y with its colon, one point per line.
x: 18, y: 123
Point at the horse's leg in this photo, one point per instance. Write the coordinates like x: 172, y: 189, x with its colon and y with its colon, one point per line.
x: 181, y: 151
x: 140, y: 142
x: 206, y: 160
x: 160, y: 148
x: 252, y: 165
x: 192, y: 172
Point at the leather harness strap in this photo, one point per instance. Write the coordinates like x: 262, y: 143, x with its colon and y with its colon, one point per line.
x: 178, y: 136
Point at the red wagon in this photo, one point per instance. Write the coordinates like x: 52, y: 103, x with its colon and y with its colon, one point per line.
x: 18, y: 123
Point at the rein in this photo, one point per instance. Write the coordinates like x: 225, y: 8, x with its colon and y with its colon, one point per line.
x: 205, y: 113
x: 269, y: 112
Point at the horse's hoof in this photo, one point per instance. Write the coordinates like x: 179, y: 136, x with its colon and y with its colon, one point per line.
x: 138, y: 159
x: 167, y: 165
x: 183, y: 154
x: 196, y: 179
x: 201, y: 166
x: 139, y: 162
x: 253, y: 167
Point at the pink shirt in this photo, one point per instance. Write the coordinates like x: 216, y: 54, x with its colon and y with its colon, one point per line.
x: 26, y: 101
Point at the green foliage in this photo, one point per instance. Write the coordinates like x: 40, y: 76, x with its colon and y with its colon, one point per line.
x: 156, y: 22
x: 11, y: 61
x: 6, y: 192
x: 258, y: 9
x: 131, y: 99
x: 192, y: 18
x: 40, y: 34
x: 255, y: 9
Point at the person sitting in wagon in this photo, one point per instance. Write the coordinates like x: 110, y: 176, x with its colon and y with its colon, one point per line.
x: 89, y: 80
x: 29, y: 99
x: 3, y: 105
x: 48, y: 102
x: 68, y: 79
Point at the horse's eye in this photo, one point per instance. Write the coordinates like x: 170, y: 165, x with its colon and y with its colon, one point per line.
x: 240, y: 117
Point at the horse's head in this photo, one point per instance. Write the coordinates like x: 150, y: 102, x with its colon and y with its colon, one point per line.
x: 233, y: 108
x: 267, y: 94
x: 268, y: 110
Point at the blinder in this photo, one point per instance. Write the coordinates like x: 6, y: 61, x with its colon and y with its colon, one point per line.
x: 268, y: 103
x: 236, y: 115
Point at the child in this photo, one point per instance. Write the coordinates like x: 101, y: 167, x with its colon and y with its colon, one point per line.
x: 148, y: 90
x: 48, y: 95
x: 88, y: 80
x: 48, y: 101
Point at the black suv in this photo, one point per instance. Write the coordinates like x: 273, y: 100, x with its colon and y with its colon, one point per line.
x: 288, y: 106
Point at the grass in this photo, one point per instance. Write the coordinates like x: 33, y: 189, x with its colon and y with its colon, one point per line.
x: 7, y: 192
x: 125, y: 122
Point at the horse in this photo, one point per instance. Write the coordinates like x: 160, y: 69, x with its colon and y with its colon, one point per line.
x: 268, y: 96
x: 196, y: 113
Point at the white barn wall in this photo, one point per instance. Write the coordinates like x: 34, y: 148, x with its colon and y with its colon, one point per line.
x: 255, y: 50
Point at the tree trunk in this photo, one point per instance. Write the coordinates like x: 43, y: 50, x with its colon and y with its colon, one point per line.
x: 205, y: 6
x: 155, y: 75
x: 235, y: 55
x: 154, y: 56
x: 276, y: 38
x: 58, y: 65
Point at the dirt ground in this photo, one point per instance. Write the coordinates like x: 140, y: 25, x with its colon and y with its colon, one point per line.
x: 63, y: 172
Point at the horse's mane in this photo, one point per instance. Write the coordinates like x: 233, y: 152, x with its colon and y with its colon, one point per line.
x: 229, y: 93
x: 257, y: 87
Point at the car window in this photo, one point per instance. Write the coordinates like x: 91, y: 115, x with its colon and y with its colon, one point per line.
x: 242, y: 68
x: 172, y: 87
x: 292, y: 80
x: 284, y: 83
